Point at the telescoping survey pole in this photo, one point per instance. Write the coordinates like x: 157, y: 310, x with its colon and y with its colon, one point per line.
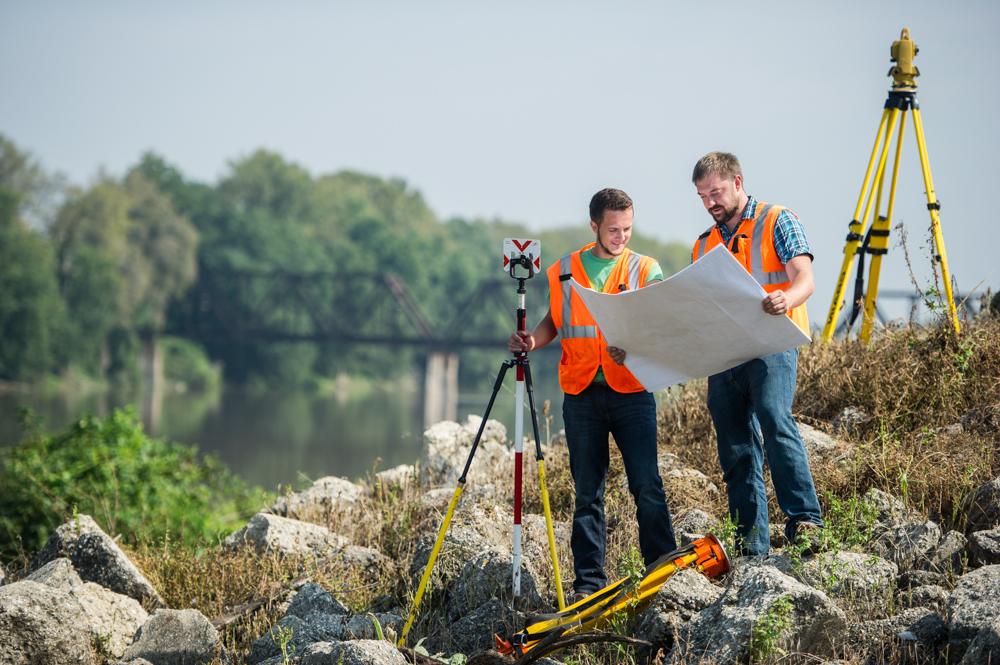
x: 522, y: 261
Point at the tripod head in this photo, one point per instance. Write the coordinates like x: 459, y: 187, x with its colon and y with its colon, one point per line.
x: 904, y: 72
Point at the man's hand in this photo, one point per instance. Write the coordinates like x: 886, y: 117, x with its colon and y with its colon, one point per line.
x: 618, y: 355
x: 776, y: 303
x: 521, y: 341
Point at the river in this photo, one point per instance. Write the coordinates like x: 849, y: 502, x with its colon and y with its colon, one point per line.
x: 272, y: 437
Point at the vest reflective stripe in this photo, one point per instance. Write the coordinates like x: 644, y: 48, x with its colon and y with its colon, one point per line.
x: 566, y: 268
x: 764, y: 277
x: 569, y: 332
x: 701, y: 245
x: 633, y: 271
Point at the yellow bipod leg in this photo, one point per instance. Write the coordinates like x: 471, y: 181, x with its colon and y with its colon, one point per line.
x: 550, y: 533
x: 442, y: 532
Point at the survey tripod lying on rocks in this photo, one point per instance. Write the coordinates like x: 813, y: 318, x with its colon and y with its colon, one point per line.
x: 546, y: 633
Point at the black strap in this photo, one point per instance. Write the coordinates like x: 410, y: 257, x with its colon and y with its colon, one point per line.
x: 705, y: 234
x: 565, y: 278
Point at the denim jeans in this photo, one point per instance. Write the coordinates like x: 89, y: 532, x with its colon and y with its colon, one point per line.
x: 631, y: 417
x: 751, y: 406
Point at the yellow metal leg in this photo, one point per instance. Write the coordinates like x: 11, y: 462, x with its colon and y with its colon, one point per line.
x: 878, y: 243
x: 442, y: 532
x: 856, y: 228
x: 551, y: 534
x: 933, y: 205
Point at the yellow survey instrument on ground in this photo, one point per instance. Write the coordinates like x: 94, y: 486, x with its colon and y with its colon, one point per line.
x: 902, y: 100
x: 545, y: 633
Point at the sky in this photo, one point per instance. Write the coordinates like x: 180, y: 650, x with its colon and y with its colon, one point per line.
x: 522, y: 110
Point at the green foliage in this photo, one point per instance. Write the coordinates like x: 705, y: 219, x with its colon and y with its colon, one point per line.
x: 132, y: 484
x: 186, y: 363
x: 766, y: 635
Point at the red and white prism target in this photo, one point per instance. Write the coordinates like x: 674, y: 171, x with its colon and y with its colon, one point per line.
x: 514, y: 248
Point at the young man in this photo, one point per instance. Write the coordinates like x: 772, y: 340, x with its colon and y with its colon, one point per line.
x: 770, y: 242
x: 601, y: 395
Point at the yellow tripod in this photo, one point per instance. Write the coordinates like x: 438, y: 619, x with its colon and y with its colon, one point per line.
x: 902, y: 99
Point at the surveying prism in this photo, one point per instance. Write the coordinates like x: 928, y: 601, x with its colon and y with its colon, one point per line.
x: 875, y: 242
x: 522, y: 260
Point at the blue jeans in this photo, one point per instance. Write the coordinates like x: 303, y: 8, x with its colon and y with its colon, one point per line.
x: 631, y: 417
x: 751, y: 406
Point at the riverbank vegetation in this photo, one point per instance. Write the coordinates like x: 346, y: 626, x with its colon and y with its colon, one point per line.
x: 916, y: 415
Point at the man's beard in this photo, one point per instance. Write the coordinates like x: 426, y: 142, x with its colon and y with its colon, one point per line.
x: 606, y: 248
x: 727, y: 214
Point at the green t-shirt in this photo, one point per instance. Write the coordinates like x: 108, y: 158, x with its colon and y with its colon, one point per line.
x: 598, y: 269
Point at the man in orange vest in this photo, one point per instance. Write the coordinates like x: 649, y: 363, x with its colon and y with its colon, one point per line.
x: 601, y: 395
x: 751, y: 404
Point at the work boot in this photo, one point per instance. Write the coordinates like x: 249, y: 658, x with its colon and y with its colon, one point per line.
x: 807, y: 538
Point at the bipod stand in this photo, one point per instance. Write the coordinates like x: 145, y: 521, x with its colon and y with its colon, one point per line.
x: 524, y: 385
x: 875, y: 242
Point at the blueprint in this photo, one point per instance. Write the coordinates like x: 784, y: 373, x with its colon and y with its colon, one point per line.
x: 705, y: 319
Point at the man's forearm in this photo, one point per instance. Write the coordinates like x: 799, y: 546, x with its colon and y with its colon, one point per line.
x: 544, y: 332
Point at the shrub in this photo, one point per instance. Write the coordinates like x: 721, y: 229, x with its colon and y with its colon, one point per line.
x: 185, y: 363
x: 140, y: 487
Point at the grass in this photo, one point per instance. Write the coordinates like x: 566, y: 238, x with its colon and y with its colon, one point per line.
x: 932, y: 403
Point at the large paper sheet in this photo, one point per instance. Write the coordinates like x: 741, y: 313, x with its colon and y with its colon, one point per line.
x: 705, y: 319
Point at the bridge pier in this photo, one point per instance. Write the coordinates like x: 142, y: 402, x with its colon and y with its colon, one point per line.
x: 440, y: 387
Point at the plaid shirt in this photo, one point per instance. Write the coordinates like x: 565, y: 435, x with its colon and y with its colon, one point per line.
x: 789, y: 236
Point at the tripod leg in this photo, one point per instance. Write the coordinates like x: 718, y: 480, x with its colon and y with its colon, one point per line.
x: 879, y: 243
x: 443, y: 531
x: 933, y: 205
x: 543, y: 490
x: 854, y: 237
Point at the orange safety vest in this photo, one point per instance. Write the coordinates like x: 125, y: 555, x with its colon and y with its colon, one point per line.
x: 584, y: 348
x: 753, y: 247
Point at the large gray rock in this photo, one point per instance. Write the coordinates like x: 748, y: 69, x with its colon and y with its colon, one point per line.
x: 984, y: 546
x: 984, y: 513
x: 326, y: 496
x: 358, y: 652
x: 268, y: 533
x: 948, y: 557
x: 861, y: 581
x: 889, y: 511
x: 175, y: 637
x: 487, y: 576
x: 320, y: 627
x: 97, y: 558
x: 913, y: 634
x: 311, y: 598
x: 111, y: 618
x: 930, y: 596
x: 973, y: 605
x: 42, y: 624
x: 447, y: 445
x: 722, y: 631
x: 682, y: 596
x: 819, y: 444
x: 398, y: 477
x: 694, y: 524
x: 474, y: 631
x: 909, y: 545
x: 850, y: 420
x: 985, y: 648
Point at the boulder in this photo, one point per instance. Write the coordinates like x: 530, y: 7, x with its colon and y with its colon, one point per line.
x: 909, y: 545
x: 326, y: 496
x: 446, y: 449
x: 268, y: 533
x: 985, y: 648
x: 487, y: 576
x: 973, y: 605
x: 819, y: 444
x: 930, y: 596
x: 358, y: 652
x: 984, y: 513
x: 682, y: 596
x: 673, y: 470
x: 300, y: 632
x: 175, y: 637
x: 3, y: 574
x: 42, y: 624
x: 916, y: 578
x: 850, y: 420
x: 914, y: 633
x: 949, y: 555
x: 311, y: 598
x: 96, y: 558
x: 984, y: 546
x: 536, y: 546
x: 474, y: 631
x: 722, y: 631
x: 398, y: 477
x: 111, y: 618
x: 860, y: 580
x: 694, y: 524
x: 890, y: 512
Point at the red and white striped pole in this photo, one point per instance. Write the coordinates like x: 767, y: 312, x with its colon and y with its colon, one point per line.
x: 518, y: 446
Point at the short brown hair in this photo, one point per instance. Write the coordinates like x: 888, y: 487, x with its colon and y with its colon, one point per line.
x: 723, y: 164
x: 608, y: 198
